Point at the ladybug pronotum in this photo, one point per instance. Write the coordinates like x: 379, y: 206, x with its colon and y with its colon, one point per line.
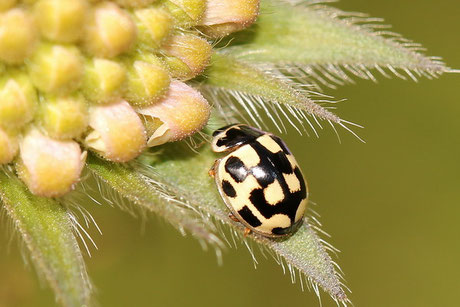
x: 259, y: 180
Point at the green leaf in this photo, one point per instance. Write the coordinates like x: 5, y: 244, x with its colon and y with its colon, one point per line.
x: 328, y: 45
x: 153, y: 196
x: 185, y: 174
x: 46, y: 228
x: 229, y: 80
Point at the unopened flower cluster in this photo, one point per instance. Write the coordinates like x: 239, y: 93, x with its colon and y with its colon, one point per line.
x: 105, y: 76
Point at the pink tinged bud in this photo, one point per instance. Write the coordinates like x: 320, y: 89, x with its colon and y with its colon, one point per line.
x: 117, y: 132
x: 8, y: 146
x: 61, y: 20
x: 180, y: 114
x: 223, y: 17
x: 18, y: 100
x: 110, y: 31
x: 191, y: 51
x: 49, y: 167
x: 17, y: 35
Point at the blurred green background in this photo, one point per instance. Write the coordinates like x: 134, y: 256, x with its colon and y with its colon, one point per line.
x: 392, y: 205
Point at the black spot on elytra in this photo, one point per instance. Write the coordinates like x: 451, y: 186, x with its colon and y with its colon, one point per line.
x: 222, y: 129
x: 281, y: 143
x: 249, y: 218
x: 237, y: 135
x: 236, y: 168
x: 228, y: 189
x: 281, y: 162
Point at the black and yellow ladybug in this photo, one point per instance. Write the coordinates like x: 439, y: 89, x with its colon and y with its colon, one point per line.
x: 259, y: 180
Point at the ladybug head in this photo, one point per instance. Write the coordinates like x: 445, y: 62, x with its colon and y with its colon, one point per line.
x: 233, y: 136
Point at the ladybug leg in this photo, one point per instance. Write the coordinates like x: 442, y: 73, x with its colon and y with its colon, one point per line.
x: 212, y: 171
x: 232, y: 217
x: 247, y: 231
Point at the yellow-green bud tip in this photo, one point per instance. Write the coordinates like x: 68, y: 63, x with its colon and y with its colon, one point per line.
x: 187, y: 13
x: 64, y: 117
x: 153, y: 25
x: 61, y: 20
x: 103, y: 80
x: 193, y: 51
x: 18, y: 100
x: 17, y: 35
x: 56, y: 68
x: 148, y: 80
x: 110, y: 31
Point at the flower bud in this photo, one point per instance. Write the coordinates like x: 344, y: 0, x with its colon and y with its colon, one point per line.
x: 17, y: 36
x: 148, y: 80
x: 223, y: 17
x: 187, y: 13
x: 61, y: 20
x: 118, y: 134
x: 8, y: 146
x: 64, y: 117
x: 134, y: 3
x: 6, y: 4
x: 103, y: 80
x: 188, y: 49
x: 153, y: 26
x: 110, y: 31
x: 56, y: 68
x: 18, y: 100
x: 180, y: 114
x: 49, y: 167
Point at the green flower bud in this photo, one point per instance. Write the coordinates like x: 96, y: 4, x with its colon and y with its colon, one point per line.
x: 103, y: 80
x: 17, y: 35
x: 49, y: 167
x: 8, y: 146
x: 187, y: 13
x: 56, y: 68
x: 6, y: 4
x: 110, y: 31
x: 61, y: 20
x: 148, y: 80
x: 223, y: 17
x: 191, y: 50
x: 180, y: 114
x: 117, y: 131
x: 18, y: 100
x: 64, y: 117
x: 153, y: 26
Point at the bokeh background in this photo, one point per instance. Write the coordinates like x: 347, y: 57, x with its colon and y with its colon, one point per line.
x: 392, y: 205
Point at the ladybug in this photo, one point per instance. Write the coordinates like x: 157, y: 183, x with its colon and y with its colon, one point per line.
x: 259, y: 180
